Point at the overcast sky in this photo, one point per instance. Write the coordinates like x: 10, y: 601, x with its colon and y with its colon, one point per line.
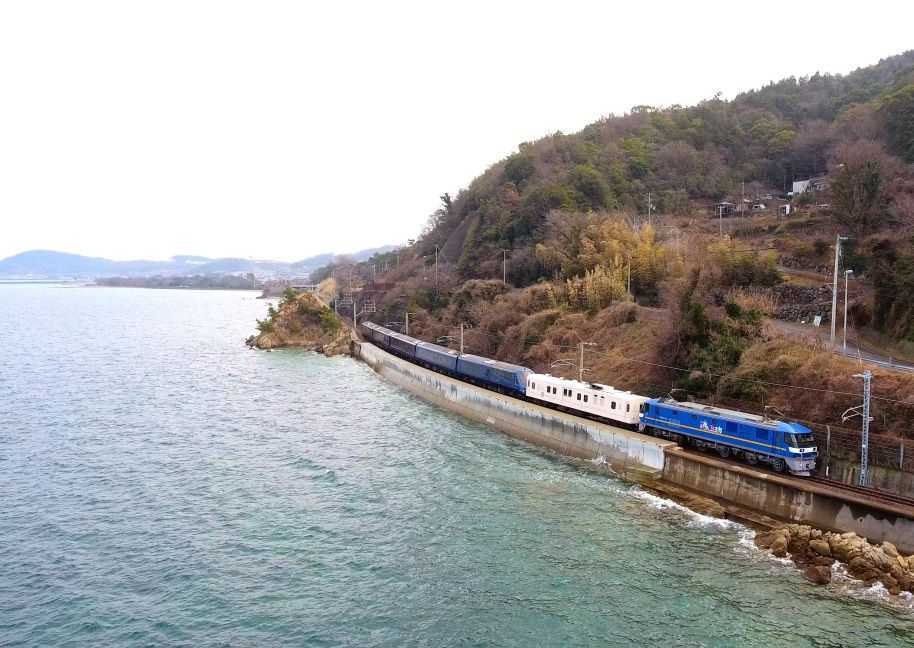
x: 285, y: 129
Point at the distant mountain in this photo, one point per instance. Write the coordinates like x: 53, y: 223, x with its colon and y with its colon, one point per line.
x: 307, y: 266
x: 49, y: 264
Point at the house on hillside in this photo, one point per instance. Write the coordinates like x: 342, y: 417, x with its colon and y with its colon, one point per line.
x: 724, y: 209
x: 815, y: 183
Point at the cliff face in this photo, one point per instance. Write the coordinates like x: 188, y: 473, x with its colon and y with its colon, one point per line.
x: 302, y: 321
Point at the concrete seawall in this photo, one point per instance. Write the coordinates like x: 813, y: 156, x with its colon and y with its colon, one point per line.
x: 791, y: 499
x: 625, y: 451
x: 665, y: 465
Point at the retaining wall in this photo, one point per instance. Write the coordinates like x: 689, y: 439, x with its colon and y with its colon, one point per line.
x: 568, y: 435
x: 786, y: 498
x: 791, y: 499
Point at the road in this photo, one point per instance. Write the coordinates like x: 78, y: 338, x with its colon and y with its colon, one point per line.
x: 819, y: 337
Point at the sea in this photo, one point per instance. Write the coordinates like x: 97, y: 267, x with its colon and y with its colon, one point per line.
x: 163, y: 485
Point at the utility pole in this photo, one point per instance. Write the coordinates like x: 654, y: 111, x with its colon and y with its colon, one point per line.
x: 650, y: 208
x: 406, y: 325
x: 630, y: 298
x: 720, y: 219
x: 742, y: 200
x: 865, y: 441
x: 581, y: 363
x: 581, y: 369
x: 504, y: 265
x: 436, y: 269
x: 461, y: 338
x: 834, y: 291
x: 847, y: 274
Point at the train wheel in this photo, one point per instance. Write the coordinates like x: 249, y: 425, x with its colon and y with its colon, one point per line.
x: 752, y: 459
x: 777, y: 465
x: 723, y: 451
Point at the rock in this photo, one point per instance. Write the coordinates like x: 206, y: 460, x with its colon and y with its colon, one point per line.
x: 846, y: 546
x: 820, y: 575
x: 820, y: 547
x: 876, y: 557
x: 779, y: 546
x: 860, y: 566
x: 765, y: 539
x: 904, y: 562
x: 891, y: 584
x: 823, y: 561
x: 889, y: 549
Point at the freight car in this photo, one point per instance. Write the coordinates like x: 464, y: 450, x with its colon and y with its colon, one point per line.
x: 438, y: 357
x: 500, y: 376
x: 756, y: 439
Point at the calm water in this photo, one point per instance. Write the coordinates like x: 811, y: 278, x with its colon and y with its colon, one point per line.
x: 162, y: 485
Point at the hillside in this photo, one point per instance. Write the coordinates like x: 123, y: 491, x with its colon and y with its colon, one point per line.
x: 616, y: 235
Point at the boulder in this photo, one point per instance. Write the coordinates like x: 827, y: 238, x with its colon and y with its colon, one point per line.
x: 889, y: 549
x: 821, y: 547
x: 861, y: 568
x: 765, y: 539
x: 891, y: 584
x: 779, y: 546
x: 823, y: 561
x: 820, y: 575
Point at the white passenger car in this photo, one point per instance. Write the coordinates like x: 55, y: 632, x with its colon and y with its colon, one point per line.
x: 593, y: 398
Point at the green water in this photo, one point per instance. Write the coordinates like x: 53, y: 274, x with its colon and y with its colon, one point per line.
x: 162, y: 485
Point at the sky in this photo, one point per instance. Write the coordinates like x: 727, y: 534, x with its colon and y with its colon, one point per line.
x: 286, y: 129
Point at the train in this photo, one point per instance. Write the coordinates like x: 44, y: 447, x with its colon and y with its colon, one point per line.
x: 782, y: 445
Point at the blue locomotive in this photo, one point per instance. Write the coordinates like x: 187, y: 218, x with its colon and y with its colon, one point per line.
x: 756, y: 439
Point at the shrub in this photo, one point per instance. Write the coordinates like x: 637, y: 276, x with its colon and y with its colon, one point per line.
x: 330, y: 322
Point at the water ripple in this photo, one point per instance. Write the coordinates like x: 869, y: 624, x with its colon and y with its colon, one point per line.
x: 161, y: 485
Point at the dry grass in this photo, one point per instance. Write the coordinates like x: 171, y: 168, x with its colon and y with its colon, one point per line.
x: 760, y: 299
x: 822, y: 386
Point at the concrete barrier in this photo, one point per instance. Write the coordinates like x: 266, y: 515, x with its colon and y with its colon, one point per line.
x: 565, y: 434
x: 791, y: 499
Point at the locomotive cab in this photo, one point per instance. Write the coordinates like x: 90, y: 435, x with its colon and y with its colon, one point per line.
x: 801, y: 448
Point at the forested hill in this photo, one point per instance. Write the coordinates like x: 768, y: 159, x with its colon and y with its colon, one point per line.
x: 685, y: 157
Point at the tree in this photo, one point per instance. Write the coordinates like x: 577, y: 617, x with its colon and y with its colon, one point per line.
x: 859, y: 175
x: 591, y: 187
x: 519, y: 168
x: 897, y: 112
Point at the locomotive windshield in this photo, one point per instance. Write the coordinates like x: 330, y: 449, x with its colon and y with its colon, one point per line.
x: 801, y: 439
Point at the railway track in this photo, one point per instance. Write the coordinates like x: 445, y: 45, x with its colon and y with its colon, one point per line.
x: 872, y: 493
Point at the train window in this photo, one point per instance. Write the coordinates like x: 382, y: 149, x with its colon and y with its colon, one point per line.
x: 761, y: 433
x: 585, y: 398
x: 628, y: 407
x: 579, y: 395
x: 613, y: 406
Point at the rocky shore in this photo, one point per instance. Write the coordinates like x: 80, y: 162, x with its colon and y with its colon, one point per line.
x: 815, y: 552
x: 302, y: 322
